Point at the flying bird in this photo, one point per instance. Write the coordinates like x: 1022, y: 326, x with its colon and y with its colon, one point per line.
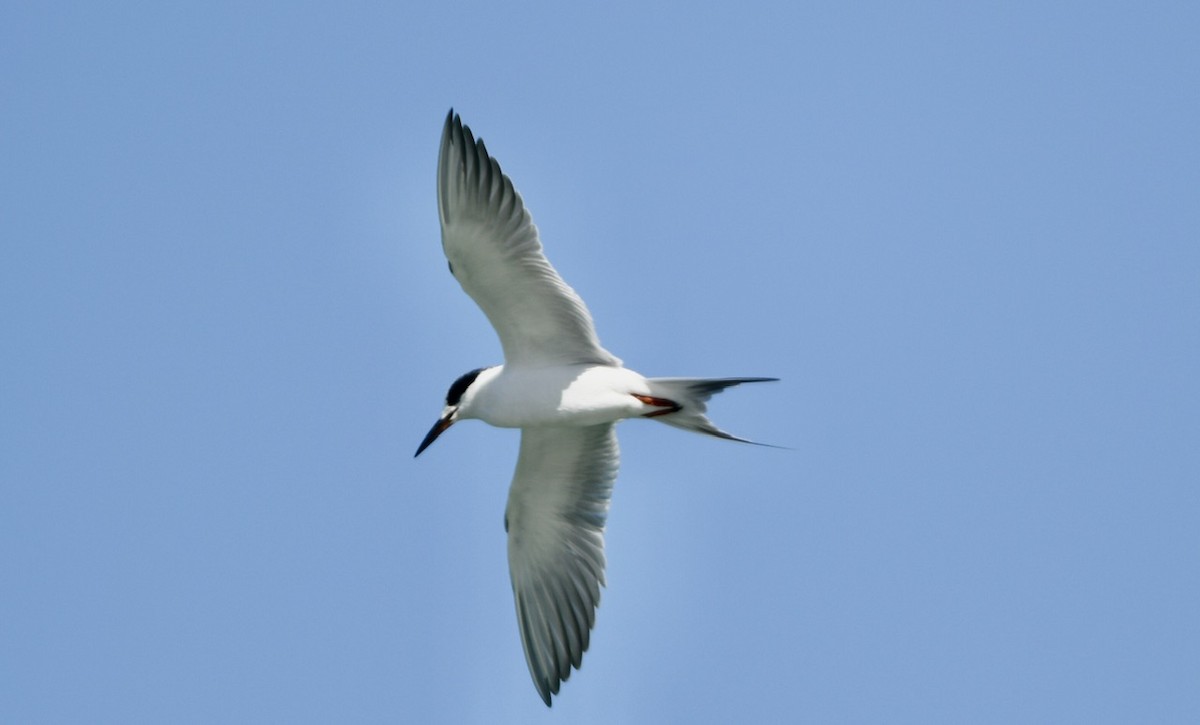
x: 561, y: 388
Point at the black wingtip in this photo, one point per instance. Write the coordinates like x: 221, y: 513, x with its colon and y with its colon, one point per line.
x: 453, y: 123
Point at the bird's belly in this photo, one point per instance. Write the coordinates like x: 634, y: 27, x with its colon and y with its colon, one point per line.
x: 587, y: 396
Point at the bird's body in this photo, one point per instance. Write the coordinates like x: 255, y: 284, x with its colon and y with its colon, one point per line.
x: 561, y: 388
x: 564, y: 395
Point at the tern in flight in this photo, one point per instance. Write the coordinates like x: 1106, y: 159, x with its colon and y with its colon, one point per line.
x: 561, y: 388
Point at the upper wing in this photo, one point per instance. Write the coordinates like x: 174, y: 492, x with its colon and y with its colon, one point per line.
x: 555, y: 521
x: 494, y: 253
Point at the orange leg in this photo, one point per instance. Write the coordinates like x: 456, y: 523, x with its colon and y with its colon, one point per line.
x: 668, y: 406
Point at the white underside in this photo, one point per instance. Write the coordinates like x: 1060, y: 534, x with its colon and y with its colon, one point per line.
x: 576, y: 395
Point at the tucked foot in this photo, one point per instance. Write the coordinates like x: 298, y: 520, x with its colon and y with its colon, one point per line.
x: 668, y: 406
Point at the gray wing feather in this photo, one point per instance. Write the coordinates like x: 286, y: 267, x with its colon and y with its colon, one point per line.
x: 557, y: 507
x: 495, y: 254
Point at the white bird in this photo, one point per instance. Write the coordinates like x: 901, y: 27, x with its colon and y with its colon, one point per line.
x: 561, y: 388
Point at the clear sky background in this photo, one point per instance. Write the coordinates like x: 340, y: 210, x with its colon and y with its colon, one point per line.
x: 968, y: 240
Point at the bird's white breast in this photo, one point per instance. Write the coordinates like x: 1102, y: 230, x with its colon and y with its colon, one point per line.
x: 561, y: 395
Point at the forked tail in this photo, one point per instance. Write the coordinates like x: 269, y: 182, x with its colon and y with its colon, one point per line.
x: 691, y: 395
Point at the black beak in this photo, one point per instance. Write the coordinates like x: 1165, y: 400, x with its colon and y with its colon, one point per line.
x: 438, y: 428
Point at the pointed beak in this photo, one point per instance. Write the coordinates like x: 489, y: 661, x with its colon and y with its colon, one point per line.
x: 438, y: 428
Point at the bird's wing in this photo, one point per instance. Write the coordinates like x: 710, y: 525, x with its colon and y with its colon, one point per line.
x: 555, y: 521
x: 494, y: 253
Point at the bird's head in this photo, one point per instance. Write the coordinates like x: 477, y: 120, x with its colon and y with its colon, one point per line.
x: 456, y: 398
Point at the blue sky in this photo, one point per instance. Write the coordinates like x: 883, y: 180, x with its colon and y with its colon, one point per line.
x: 966, y: 238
